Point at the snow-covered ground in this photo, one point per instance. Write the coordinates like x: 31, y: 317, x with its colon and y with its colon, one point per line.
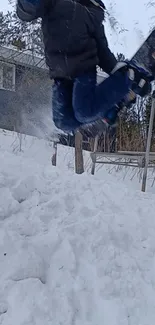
x: 74, y: 250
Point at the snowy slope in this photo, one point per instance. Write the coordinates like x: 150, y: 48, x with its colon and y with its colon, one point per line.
x: 73, y: 249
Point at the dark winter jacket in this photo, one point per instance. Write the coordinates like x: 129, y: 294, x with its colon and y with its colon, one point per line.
x: 74, y: 37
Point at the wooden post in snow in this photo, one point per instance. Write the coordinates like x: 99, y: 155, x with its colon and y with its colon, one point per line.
x: 79, y: 163
x: 95, y: 149
x: 148, y: 146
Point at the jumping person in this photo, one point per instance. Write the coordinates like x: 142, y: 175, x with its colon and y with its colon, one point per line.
x: 75, y: 44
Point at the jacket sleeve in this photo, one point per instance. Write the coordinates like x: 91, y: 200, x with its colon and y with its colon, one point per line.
x: 28, y: 10
x: 107, y: 60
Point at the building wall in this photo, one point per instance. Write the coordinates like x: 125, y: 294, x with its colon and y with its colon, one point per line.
x: 32, y: 96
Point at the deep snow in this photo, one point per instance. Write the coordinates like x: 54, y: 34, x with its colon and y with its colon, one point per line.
x: 74, y: 250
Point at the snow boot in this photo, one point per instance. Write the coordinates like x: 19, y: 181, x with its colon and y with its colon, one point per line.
x: 111, y: 117
x: 141, y: 85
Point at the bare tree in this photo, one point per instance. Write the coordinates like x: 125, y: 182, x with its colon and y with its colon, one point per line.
x: 23, y: 36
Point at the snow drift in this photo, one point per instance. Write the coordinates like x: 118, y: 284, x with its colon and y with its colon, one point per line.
x: 74, y: 250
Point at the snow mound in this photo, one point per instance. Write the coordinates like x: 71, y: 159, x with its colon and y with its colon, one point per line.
x: 73, y: 249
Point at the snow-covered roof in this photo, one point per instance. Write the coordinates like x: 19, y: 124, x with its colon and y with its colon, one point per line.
x: 12, y: 55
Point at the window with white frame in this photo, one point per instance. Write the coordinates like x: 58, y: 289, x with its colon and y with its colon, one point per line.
x: 7, y: 76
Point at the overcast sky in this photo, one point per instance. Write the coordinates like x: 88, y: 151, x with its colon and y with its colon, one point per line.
x: 132, y: 15
x: 4, y: 5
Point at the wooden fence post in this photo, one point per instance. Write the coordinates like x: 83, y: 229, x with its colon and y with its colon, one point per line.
x: 95, y: 149
x: 79, y: 163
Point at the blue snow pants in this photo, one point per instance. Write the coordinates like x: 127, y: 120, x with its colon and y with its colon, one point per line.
x: 82, y: 101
